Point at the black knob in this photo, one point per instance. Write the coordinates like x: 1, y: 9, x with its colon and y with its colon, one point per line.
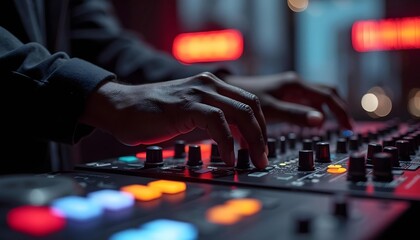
x: 306, y: 160
x: 341, y: 146
x: 282, y: 143
x: 340, y: 206
x: 411, y: 143
x: 194, y: 156
x: 214, y: 154
x: 153, y: 157
x: 382, y: 167
x: 388, y: 142
x: 307, y: 144
x: 291, y: 138
x: 403, y: 150
x: 394, y: 155
x: 179, y: 149
x: 243, y: 162
x: 271, y: 144
x: 356, y: 167
x: 315, y: 140
x: 354, y: 143
x: 373, y: 148
x: 323, y: 152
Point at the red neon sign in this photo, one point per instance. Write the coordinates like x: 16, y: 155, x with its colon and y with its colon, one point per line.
x: 209, y: 46
x: 388, y: 34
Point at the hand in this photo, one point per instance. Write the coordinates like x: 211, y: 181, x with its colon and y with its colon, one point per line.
x: 286, y: 97
x: 152, y: 113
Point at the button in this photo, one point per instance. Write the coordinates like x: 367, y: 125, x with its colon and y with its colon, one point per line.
x: 169, y: 187
x: 35, y: 220
x: 128, y: 159
x: 78, y: 208
x: 165, y: 229
x: 141, y: 192
x: 245, y: 206
x: 112, y: 200
x: 336, y: 168
x: 222, y: 214
x: 131, y: 234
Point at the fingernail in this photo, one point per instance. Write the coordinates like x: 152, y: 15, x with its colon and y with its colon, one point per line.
x: 314, y: 118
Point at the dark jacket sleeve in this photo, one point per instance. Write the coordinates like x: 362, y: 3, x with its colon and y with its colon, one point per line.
x: 44, y: 94
x: 98, y: 38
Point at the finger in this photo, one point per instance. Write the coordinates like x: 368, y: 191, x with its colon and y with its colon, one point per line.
x: 242, y: 116
x: 292, y: 112
x: 212, y: 120
x: 243, y: 96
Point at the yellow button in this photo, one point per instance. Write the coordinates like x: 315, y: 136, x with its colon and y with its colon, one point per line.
x: 141, y: 192
x: 336, y: 170
x: 334, y: 166
x: 244, y: 206
x: 282, y: 164
x: 170, y: 187
x: 222, y: 214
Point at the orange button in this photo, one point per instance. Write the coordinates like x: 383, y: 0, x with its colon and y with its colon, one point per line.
x: 336, y: 168
x: 141, y: 192
x: 244, y: 206
x: 170, y: 187
x: 222, y: 214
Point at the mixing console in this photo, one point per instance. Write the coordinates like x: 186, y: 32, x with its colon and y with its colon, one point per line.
x: 378, y: 160
x: 87, y: 205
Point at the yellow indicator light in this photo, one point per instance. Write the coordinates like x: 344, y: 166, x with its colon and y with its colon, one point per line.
x: 335, y: 166
x: 169, y: 187
x: 245, y: 206
x: 336, y: 170
x: 141, y: 192
x: 222, y: 214
x: 282, y: 164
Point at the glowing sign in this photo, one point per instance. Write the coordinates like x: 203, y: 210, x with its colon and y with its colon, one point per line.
x: 212, y: 46
x: 388, y: 34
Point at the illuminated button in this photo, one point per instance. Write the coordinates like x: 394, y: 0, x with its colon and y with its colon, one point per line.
x: 222, y: 214
x: 78, y: 208
x: 112, y: 200
x: 282, y: 164
x: 141, y: 192
x: 170, y: 187
x: 165, y: 154
x: 165, y: 229
x: 336, y: 168
x: 131, y: 234
x: 245, y: 206
x: 128, y: 159
x: 35, y: 220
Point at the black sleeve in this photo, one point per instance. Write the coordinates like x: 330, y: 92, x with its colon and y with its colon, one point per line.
x: 43, y: 94
x: 98, y: 38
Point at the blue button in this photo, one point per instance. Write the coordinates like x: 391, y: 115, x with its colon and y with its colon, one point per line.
x: 77, y: 208
x: 128, y: 159
x: 131, y: 234
x: 112, y: 200
x: 165, y: 229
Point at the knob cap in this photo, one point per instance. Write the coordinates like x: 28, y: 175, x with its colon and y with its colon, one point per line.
x: 382, y: 167
x: 291, y: 137
x: 373, y: 148
x: 403, y: 150
x: 243, y: 162
x: 282, y: 143
x: 341, y: 146
x: 394, y: 155
x: 153, y: 157
x: 323, y: 152
x: 388, y: 142
x: 214, y: 154
x: 307, y: 144
x: 356, y: 167
x: 354, y: 143
x: 306, y: 160
x: 271, y: 144
x: 179, y: 149
x: 194, y: 156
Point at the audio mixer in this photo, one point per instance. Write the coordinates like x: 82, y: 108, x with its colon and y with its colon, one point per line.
x: 319, y: 184
x: 379, y: 160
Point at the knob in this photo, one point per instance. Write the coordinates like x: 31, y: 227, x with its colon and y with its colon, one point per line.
x: 388, y: 142
x: 411, y: 143
x: 307, y: 144
x: 354, y: 143
x: 243, y: 159
x: 394, y: 155
x: 315, y: 140
x: 194, y: 156
x: 373, y: 148
x: 179, y: 149
x: 271, y: 144
x: 153, y: 157
x: 214, y: 154
x: 382, y: 167
x: 356, y: 167
x: 340, y: 206
x: 303, y: 222
x: 306, y: 160
x: 291, y: 137
x: 403, y: 150
x: 322, y: 152
x: 282, y: 142
x: 341, y: 146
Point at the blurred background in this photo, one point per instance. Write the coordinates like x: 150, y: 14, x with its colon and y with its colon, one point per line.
x: 368, y: 49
